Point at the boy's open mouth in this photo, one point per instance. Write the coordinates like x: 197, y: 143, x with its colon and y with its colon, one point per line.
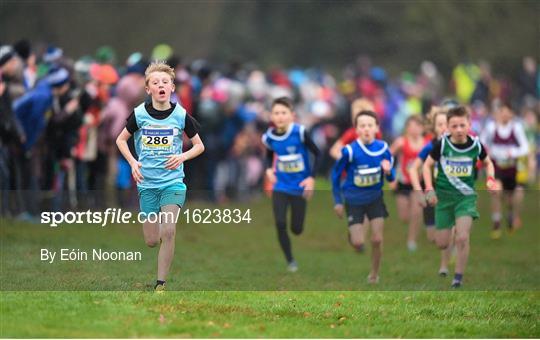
x: 161, y: 92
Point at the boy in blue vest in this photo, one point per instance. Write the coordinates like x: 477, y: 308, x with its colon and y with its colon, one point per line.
x: 157, y: 127
x: 291, y: 174
x: 366, y: 161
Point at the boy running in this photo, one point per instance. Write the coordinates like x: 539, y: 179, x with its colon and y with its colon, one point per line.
x: 291, y: 174
x: 365, y: 161
x: 408, y: 146
x: 157, y: 127
x: 456, y: 155
x: 437, y: 122
x: 506, y: 140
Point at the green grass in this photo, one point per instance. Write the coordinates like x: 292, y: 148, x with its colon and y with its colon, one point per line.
x: 230, y: 281
x: 269, y: 314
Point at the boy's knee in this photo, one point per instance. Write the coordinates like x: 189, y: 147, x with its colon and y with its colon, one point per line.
x: 152, y: 242
x: 358, y: 246
x: 168, y: 234
x: 462, y: 240
x: 442, y: 245
x: 376, y: 241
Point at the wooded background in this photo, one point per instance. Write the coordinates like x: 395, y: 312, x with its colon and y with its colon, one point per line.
x: 396, y: 34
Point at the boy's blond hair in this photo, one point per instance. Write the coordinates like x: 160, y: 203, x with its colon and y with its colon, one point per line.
x: 431, y: 117
x: 158, y: 66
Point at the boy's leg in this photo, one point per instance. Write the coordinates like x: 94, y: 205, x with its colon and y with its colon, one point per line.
x: 430, y: 234
x: 415, y: 213
x: 357, y: 235
x: 443, y: 237
x: 429, y: 221
x: 358, y: 223
x: 167, y: 235
x: 463, y: 230
x: 279, y: 205
x: 402, y: 203
x: 151, y: 234
x: 496, y: 211
x: 377, y: 225
x: 444, y: 220
x: 365, y: 229
x: 446, y: 254
x: 149, y: 205
x: 376, y: 212
x: 298, y: 214
x: 516, y: 204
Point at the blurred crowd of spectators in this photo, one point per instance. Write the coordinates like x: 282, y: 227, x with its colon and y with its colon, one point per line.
x: 60, y: 117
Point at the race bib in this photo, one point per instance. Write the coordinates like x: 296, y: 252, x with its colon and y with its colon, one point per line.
x: 367, y: 177
x: 459, y: 167
x: 291, y: 163
x: 158, y: 138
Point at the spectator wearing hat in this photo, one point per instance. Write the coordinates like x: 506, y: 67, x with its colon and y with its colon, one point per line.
x: 11, y: 71
x: 28, y: 57
x: 30, y: 110
x: 11, y: 132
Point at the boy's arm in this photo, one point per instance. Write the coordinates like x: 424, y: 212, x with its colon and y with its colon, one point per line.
x: 196, y: 149
x: 523, y: 144
x: 336, y: 176
x: 309, y: 183
x: 312, y: 147
x: 121, y: 142
x: 431, y: 197
x: 433, y: 156
x: 387, y: 165
x: 414, y: 174
x: 396, y: 146
x: 427, y: 173
x: 491, y: 184
x: 270, y: 174
x: 335, y: 150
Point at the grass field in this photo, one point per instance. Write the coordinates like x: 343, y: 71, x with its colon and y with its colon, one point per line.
x: 229, y: 280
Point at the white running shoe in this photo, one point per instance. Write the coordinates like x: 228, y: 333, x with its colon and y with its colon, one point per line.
x: 373, y: 280
x: 292, y: 267
x: 443, y: 272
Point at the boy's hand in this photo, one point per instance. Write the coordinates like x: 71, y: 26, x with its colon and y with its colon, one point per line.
x: 270, y: 174
x: 431, y: 197
x: 492, y: 185
x: 385, y: 165
x: 136, y: 172
x: 420, y: 198
x: 174, y: 161
x: 338, y: 209
x: 308, y: 184
x: 72, y: 105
